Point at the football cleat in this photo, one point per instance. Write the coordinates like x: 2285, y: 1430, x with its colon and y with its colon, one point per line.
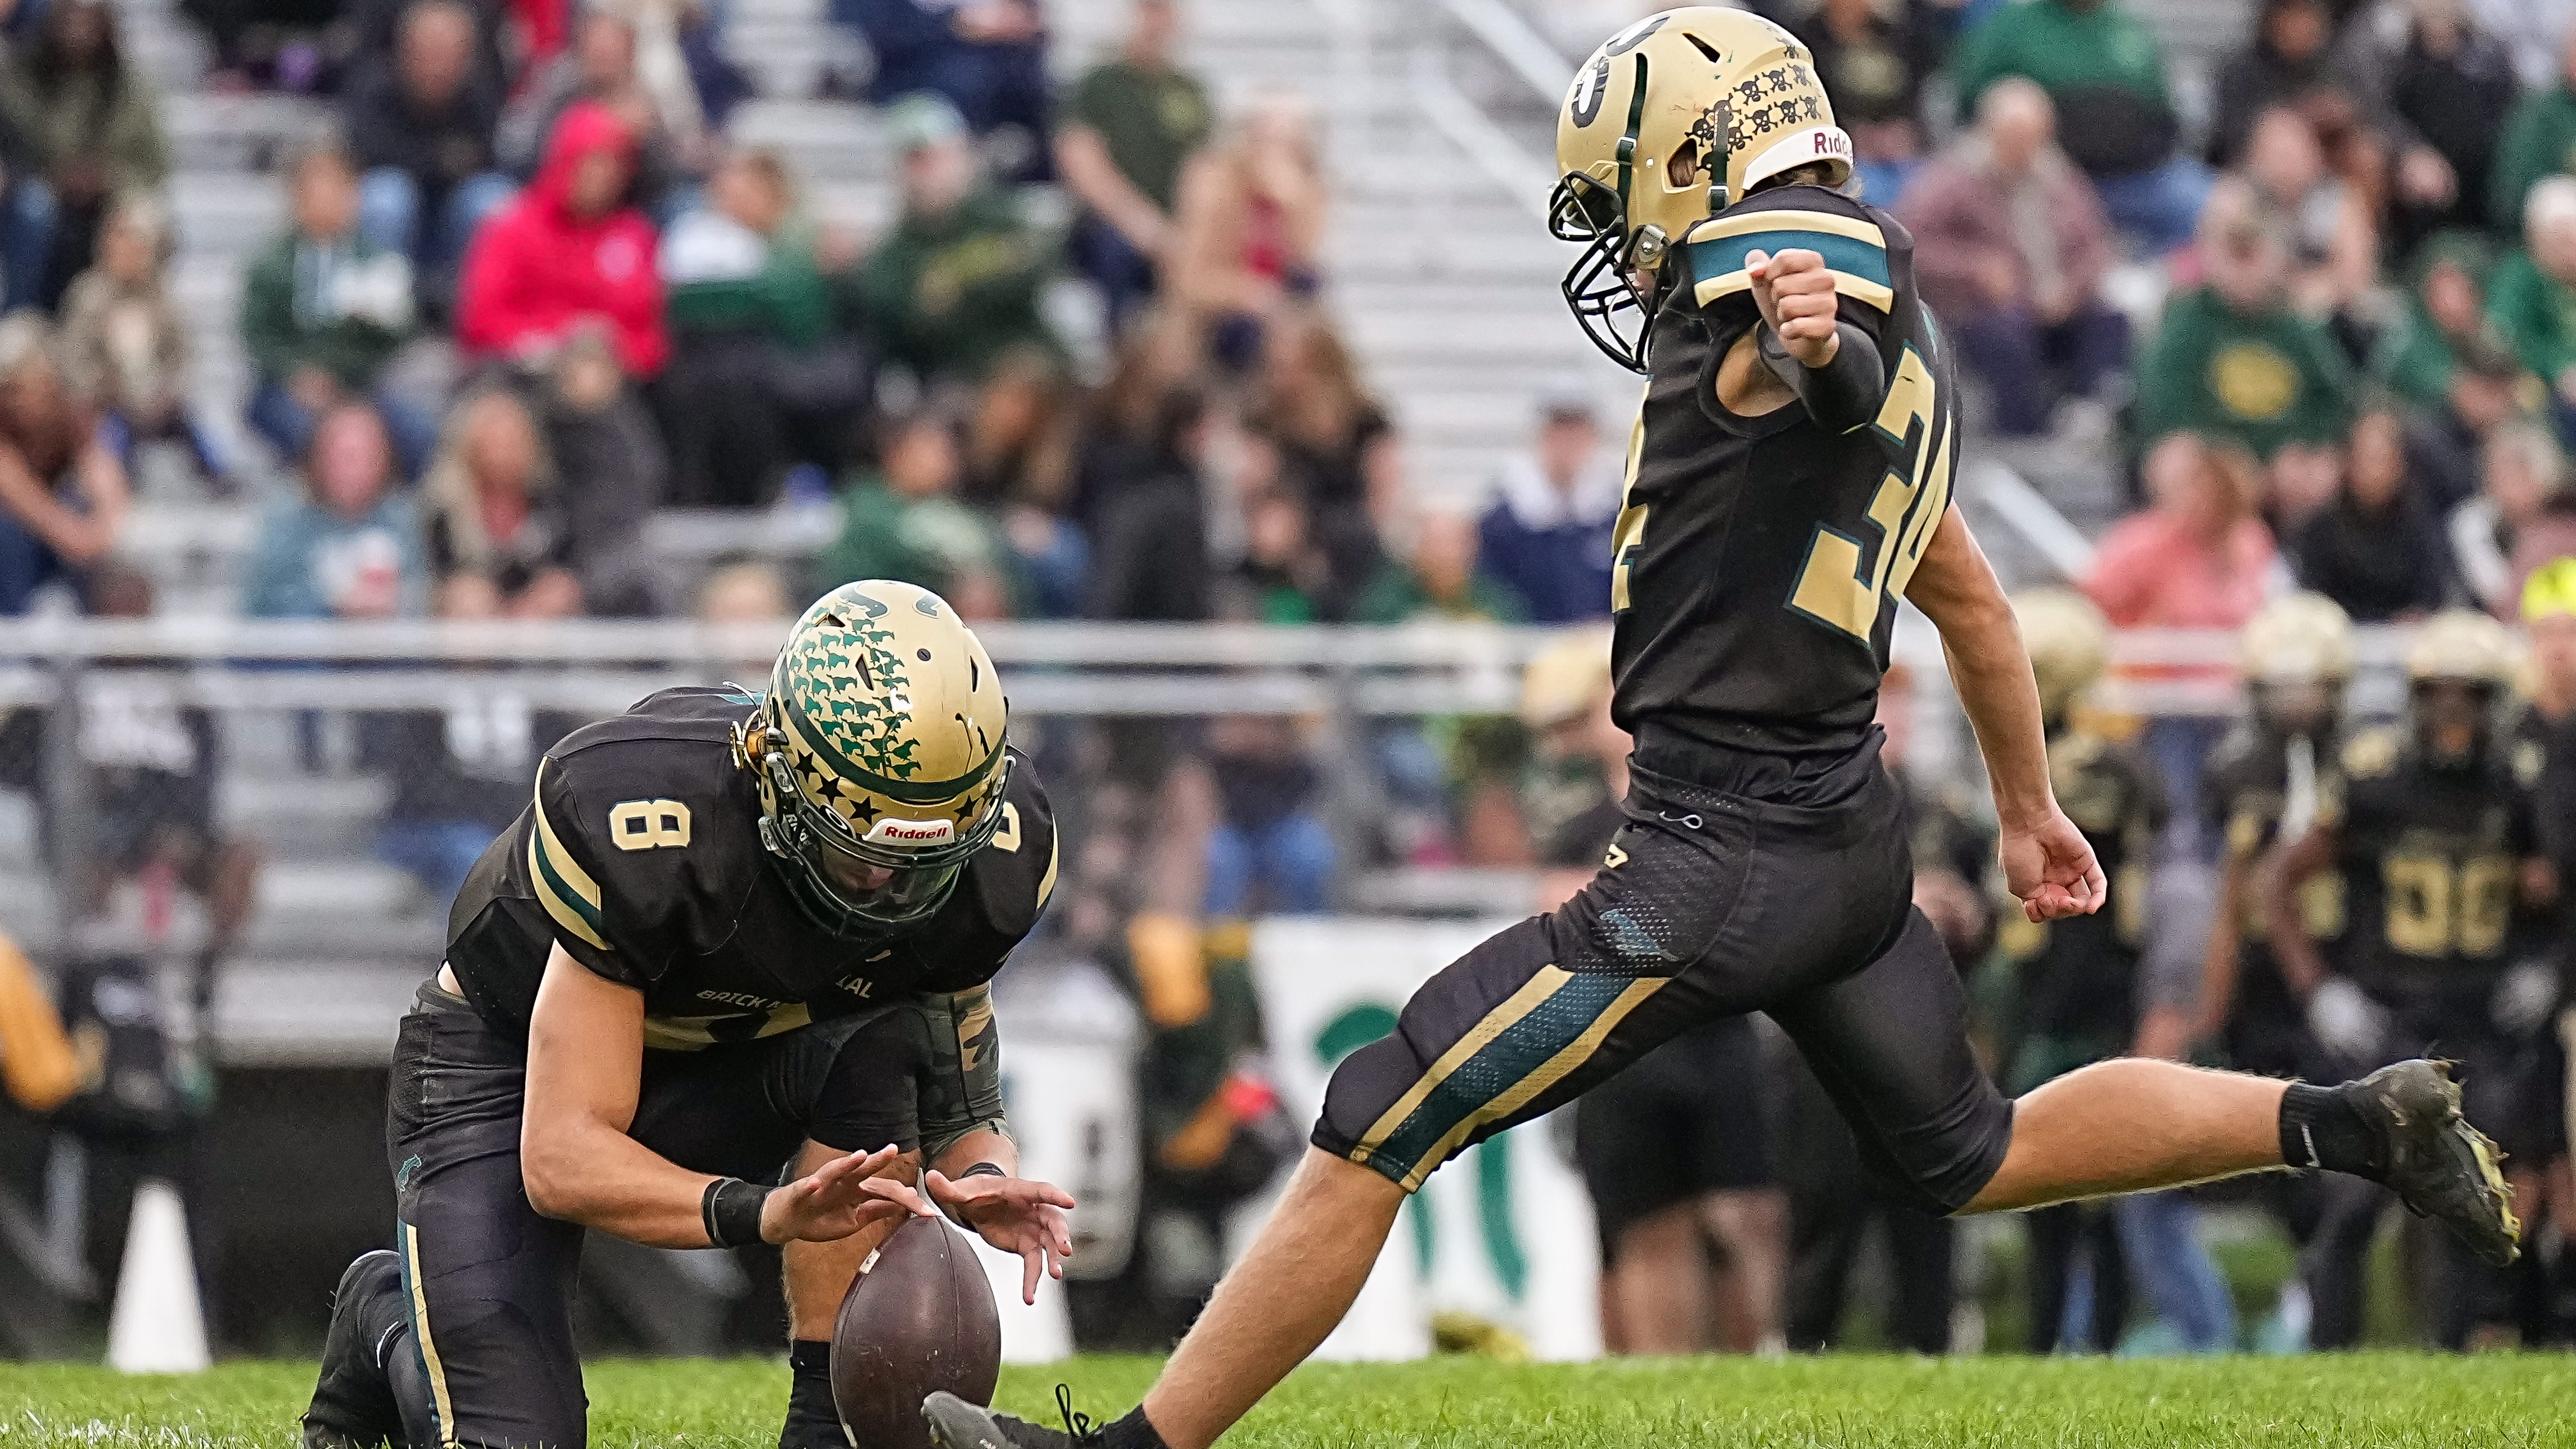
x: 957, y: 1424
x: 2438, y: 1164
x: 353, y: 1402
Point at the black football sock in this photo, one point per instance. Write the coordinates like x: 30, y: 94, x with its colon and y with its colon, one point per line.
x: 2321, y: 1128
x: 812, y: 1420
x: 1133, y: 1432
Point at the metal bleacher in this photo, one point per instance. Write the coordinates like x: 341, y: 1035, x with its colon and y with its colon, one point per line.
x: 1441, y: 275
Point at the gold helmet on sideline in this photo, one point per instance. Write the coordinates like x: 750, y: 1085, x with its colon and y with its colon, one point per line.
x: 1671, y: 121
x: 879, y: 756
x: 1563, y: 681
x: 2069, y: 643
x: 2461, y: 644
x: 2302, y: 639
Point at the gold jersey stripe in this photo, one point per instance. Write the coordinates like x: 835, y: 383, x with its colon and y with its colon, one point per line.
x: 1750, y: 222
x: 1857, y: 288
x: 1046, y: 882
x: 567, y: 892
x: 1552, y: 1071
x: 435, y: 1371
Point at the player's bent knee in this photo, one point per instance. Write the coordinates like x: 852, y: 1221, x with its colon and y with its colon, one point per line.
x: 1371, y: 1107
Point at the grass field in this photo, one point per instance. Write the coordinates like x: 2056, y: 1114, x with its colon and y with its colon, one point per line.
x: 1860, y: 1402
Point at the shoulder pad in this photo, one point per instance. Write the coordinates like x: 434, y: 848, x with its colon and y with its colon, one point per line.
x: 1845, y: 232
x: 2372, y: 753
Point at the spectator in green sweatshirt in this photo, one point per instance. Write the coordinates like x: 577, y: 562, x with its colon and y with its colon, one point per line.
x: 2445, y: 311
x: 2532, y: 297
x: 956, y: 284
x: 2539, y: 140
x: 2231, y: 359
x: 2100, y: 63
x: 903, y: 521
x: 323, y: 312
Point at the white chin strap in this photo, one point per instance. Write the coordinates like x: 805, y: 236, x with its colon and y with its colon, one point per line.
x: 1828, y: 144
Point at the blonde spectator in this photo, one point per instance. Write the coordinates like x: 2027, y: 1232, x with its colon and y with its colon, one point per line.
x: 125, y: 344
x: 1251, y: 227
x: 492, y: 517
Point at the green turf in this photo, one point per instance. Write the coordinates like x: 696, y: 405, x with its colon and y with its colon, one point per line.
x: 2377, y: 1399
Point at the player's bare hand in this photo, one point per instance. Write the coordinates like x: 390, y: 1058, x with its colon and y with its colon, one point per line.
x: 1796, y: 295
x: 2050, y: 869
x: 1014, y: 1214
x: 839, y: 1198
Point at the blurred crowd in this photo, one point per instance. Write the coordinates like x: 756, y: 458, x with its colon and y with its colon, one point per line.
x: 533, y: 294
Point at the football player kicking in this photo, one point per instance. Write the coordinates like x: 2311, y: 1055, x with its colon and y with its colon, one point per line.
x: 1789, y: 482
x: 730, y: 933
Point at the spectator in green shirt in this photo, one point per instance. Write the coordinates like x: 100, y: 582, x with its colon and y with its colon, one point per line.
x: 2232, y: 359
x: 1128, y: 128
x: 2539, y: 140
x: 956, y: 284
x: 2099, y: 62
x: 1439, y: 580
x: 759, y: 382
x: 323, y: 312
x: 903, y: 521
x: 2532, y: 297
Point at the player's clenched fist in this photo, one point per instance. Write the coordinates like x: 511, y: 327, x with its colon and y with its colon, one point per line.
x: 1796, y: 295
x: 2050, y: 868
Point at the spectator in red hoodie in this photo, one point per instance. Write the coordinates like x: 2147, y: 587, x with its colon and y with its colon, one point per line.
x: 568, y: 250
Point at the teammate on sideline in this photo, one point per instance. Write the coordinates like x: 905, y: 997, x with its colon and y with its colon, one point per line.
x: 731, y: 932
x: 1788, y: 483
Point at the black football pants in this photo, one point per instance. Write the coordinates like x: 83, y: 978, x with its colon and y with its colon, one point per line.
x: 486, y: 1355
x: 1709, y: 904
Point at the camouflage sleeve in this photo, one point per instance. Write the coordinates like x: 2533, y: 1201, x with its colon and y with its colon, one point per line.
x: 960, y: 1092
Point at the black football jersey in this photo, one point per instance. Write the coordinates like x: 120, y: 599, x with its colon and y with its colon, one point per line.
x: 1758, y: 561
x: 2079, y: 975
x: 2431, y: 860
x: 2246, y: 792
x: 640, y: 855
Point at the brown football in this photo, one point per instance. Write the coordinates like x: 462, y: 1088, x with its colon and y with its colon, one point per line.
x: 920, y: 1319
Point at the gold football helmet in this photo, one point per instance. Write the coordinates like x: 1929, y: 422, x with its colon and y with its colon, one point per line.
x: 2464, y: 645
x: 878, y: 755
x: 1671, y: 121
x: 2297, y: 640
x: 2069, y: 643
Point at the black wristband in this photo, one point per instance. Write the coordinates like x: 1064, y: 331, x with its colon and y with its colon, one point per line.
x: 981, y: 1169
x: 731, y: 1211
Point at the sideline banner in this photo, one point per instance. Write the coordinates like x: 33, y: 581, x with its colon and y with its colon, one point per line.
x: 1505, y: 1231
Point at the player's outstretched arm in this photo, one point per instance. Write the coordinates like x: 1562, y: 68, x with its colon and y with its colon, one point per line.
x: 585, y: 1069
x: 2047, y: 863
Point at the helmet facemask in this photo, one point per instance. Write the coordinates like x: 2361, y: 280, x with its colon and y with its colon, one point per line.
x: 1600, y: 287
x: 852, y: 887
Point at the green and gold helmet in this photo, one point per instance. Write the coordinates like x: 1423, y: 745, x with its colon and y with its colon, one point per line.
x: 879, y: 756
x: 2069, y: 643
x: 1671, y: 121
